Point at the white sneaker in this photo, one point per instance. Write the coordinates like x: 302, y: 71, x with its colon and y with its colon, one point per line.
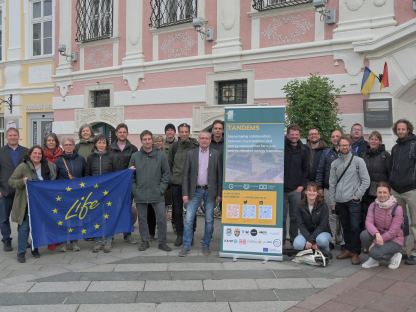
x: 370, y: 263
x: 395, y: 261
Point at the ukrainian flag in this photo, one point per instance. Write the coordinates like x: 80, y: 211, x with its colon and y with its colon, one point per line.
x: 368, y: 81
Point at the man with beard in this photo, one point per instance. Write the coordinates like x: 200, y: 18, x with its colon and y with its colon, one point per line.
x: 295, y: 179
x: 403, y: 175
x: 122, y: 150
x: 315, y: 150
x: 348, y: 181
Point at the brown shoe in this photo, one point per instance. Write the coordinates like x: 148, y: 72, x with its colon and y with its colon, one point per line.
x: 345, y: 254
x: 355, y: 259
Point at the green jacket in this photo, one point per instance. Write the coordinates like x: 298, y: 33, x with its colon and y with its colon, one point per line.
x: 151, y: 177
x: 85, y: 148
x: 25, y: 169
x: 177, y: 157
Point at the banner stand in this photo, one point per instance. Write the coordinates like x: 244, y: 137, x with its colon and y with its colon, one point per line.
x: 252, y: 197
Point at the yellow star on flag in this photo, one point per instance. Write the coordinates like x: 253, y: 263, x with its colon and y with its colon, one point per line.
x: 109, y: 203
x: 68, y: 189
x: 84, y: 231
x: 82, y: 184
x: 70, y: 230
x: 55, y: 211
x: 105, y: 193
x: 106, y: 216
x: 60, y: 223
x: 97, y: 226
x: 96, y: 186
x: 58, y: 198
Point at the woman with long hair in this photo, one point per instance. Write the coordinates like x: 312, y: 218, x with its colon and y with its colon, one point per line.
x: 34, y: 167
x: 383, y: 234
x: 313, y: 221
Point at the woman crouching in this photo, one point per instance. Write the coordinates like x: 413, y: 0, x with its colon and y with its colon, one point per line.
x: 383, y: 234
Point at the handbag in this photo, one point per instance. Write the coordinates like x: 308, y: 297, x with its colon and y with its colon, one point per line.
x: 313, y: 257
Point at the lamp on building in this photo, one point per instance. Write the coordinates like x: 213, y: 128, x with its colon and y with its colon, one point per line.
x: 9, y: 102
x: 72, y: 57
x: 206, y: 33
x: 327, y: 15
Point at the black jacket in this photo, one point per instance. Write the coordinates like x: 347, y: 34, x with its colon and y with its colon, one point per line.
x: 324, y: 168
x: 314, y: 156
x: 403, y: 170
x: 122, y: 157
x: 76, y: 166
x: 7, y: 168
x: 296, y: 166
x: 378, y: 166
x: 312, y: 224
x: 360, y: 147
x: 100, y: 163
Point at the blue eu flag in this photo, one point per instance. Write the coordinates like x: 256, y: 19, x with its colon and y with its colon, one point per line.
x: 64, y: 210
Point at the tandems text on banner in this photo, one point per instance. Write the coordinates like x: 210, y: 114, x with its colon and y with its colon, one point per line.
x: 65, y: 210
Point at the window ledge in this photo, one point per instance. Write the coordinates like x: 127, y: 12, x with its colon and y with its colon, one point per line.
x: 92, y: 43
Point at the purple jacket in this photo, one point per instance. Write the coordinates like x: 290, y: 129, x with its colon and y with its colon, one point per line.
x: 380, y: 220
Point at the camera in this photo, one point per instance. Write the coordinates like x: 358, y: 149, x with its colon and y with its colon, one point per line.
x: 62, y: 48
x: 319, y: 3
x: 198, y: 22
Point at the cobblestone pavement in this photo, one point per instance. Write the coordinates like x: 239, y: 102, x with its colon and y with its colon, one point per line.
x: 154, y: 280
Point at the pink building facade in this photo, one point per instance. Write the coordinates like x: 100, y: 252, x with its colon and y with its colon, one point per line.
x: 143, y: 62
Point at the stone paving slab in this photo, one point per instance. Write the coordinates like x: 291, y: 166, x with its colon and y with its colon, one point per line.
x: 176, y: 296
x: 21, y: 287
x: 141, y: 267
x: 245, y: 295
x: 46, y: 308
x: 116, y: 286
x: 229, y: 284
x: 129, y: 307
x: 11, y: 299
x: 265, y: 306
x: 297, y: 294
x: 109, y: 297
x: 60, y: 286
x: 283, y: 283
x: 193, y: 307
x: 173, y: 285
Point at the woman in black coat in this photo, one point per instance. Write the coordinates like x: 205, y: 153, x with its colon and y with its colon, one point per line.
x: 313, y: 221
x: 377, y: 160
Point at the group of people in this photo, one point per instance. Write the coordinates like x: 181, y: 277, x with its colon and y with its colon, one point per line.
x: 168, y: 171
x: 352, y: 193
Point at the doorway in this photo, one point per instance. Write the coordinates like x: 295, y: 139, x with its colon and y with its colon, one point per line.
x: 106, y: 129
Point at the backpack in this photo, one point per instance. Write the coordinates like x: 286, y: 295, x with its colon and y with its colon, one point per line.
x: 312, y: 257
x: 405, y: 225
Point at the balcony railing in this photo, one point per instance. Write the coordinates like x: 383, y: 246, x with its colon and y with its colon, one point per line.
x: 172, y: 12
x: 262, y: 5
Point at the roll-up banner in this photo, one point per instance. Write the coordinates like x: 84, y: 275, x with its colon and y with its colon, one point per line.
x: 252, y: 199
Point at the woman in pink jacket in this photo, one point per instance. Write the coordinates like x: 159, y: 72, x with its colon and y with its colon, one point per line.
x: 383, y: 234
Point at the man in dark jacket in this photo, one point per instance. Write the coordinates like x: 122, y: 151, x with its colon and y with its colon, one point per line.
x: 202, y: 181
x: 122, y: 149
x: 403, y: 174
x: 315, y: 149
x: 296, y: 177
x: 177, y: 156
x: 11, y: 155
x: 217, y: 143
x: 359, y: 146
x: 149, y: 186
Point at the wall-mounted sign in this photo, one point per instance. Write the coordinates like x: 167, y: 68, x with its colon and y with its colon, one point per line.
x: 378, y: 113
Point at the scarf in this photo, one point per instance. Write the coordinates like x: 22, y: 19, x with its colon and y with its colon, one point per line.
x: 52, y: 155
x: 388, y: 203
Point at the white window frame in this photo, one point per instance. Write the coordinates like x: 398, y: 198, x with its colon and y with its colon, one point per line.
x: 42, y: 19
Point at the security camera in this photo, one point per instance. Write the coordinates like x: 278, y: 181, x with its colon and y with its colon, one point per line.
x: 62, y: 48
x: 198, y: 22
x: 319, y: 3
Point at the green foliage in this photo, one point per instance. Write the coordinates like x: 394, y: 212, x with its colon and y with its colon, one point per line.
x: 312, y: 104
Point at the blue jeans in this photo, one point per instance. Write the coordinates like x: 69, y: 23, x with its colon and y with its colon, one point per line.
x: 322, y: 240
x: 199, y: 196
x: 350, y: 217
x: 6, y: 204
x: 22, y: 235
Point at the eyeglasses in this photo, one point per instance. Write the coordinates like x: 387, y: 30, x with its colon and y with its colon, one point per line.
x: 70, y: 144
